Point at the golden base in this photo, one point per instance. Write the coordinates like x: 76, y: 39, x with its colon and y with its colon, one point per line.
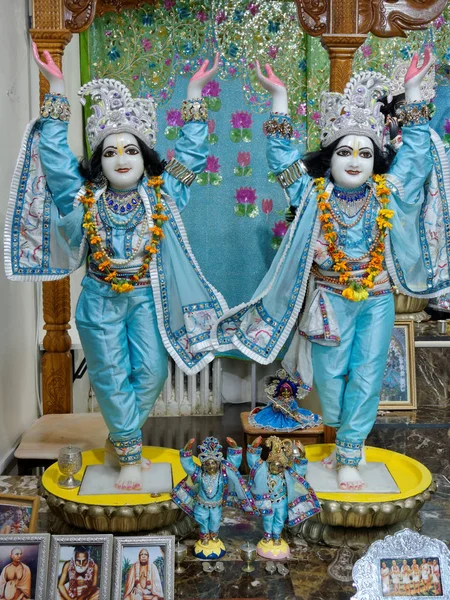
x: 115, y: 513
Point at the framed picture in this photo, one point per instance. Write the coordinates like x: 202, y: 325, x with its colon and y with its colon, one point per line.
x: 80, y: 567
x: 404, y: 565
x: 144, y: 567
x: 399, y: 382
x: 23, y: 565
x: 18, y: 514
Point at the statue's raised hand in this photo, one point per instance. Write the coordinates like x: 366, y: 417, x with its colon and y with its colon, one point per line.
x: 189, y: 444
x: 272, y: 84
x: 415, y: 75
x: 257, y: 442
x: 231, y: 442
x: 49, y: 70
x: 201, y: 77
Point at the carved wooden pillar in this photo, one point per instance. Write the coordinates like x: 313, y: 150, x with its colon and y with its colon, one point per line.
x: 49, y: 34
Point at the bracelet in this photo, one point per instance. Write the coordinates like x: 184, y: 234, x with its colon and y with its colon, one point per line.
x: 56, y: 107
x: 413, y: 114
x: 280, y: 127
x: 194, y: 110
x: 180, y: 172
x: 291, y: 174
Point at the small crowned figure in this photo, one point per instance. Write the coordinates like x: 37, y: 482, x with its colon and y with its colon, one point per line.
x: 209, y: 486
x: 282, y: 495
x: 283, y: 413
x: 144, y: 295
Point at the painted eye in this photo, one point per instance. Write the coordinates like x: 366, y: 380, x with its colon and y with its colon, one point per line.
x: 109, y: 153
x: 343, y: 152
x: 366, y: 154
x: 132, y: 151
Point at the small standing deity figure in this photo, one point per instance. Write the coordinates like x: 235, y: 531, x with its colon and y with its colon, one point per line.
x: 209, y: 486
x: 283, y: 413
x: 282, y: 495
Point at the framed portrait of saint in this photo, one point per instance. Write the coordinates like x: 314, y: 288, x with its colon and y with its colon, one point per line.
x: 399, y: 382
x: 18, y: 514
x: 144, y: 567
x: 80, y: 567
x: 23, y: 566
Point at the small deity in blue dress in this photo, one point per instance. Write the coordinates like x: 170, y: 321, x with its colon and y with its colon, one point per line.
x: 208, y: 487
x: 283, y: 412
x: 282, y: 495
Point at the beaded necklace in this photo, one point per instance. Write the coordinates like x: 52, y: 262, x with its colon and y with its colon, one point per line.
x: 357, y: 287
x: 121, y: 201
x: 99, y: 253
x: 350, y: 202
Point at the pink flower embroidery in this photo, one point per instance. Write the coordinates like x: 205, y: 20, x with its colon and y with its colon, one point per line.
x: 316, y: 117
x: 221, y: 17
x: 366, y: 50
x: 163, y: 94
x: 170, y: 154
x: 168, y: 4
x: 241, y: 119
x: 439, y: 22
x: 447, y: 126
x: 135, y: 77
x: 173, y: 118
x: 301, y: 109
x: 245, y: 195
x: 146, y: 44
x: 279, y: 229
x: 243, y: 159
x: 187, y: 68
x: 253, y: 8
x: 272, y: 52
x: 212, y: 164
x: 168, y: 62
x: 211, y: 126
x: 267, y: 206
x: 201, y: 16
x: 211, y: 89
x: 232, y: 71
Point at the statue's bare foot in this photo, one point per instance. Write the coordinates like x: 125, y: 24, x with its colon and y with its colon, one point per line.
x: 349, y: 479
x: 112, y: 460
x: 130, y: 478
x: 329, y: 462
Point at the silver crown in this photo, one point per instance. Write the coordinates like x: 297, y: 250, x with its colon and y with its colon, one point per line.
x: 356, y: 110
x: 115, y: 111
x: 397, y: 87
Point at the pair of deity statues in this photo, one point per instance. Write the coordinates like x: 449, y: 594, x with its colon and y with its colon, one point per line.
x: 276, y: 490
x: 365, y: 218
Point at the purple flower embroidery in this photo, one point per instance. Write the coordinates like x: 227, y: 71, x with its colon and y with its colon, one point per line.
x: 221, y: 17
x: 108, y: 32
x: 272, y: 52
x: 279, y: 229
x: 187, y: 68
x: 447, y: 126
x: 301, y: 109
x: 232, y: 71
x: 163, y: 94
x: 245, y: 195
x: 212, y: 89
x: 366, y: 50
x: 168, y: 4
x: 439, y: 22
x: 212, y: 164
x: 316, y: 117
x: 241, y: 119
x: 243, y: 159
x: 211, y: 126
x: 253, y: 8
x: 201, y: 16
x: 173, y: 118
x: 168, y: 62
x: 146, y: 44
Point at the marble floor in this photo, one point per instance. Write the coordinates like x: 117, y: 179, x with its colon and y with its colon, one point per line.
x: 308, y: 577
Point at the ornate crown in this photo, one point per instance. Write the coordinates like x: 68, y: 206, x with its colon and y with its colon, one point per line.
x: 115, y: 111
x: 277, y: 453
x: 397, y: 87
x: 210, y: 448
x: 356, y: 110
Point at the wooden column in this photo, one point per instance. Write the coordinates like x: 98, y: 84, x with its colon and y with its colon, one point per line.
x: 48, y: 33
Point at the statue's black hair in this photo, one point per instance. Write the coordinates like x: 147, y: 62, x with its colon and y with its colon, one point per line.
x: 318, y: 163
x: 91, y: 169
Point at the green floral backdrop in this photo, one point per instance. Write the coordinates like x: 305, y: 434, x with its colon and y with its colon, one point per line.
x: 240, y: 209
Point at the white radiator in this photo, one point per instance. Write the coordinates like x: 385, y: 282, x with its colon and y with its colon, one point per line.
x: 184, y: 395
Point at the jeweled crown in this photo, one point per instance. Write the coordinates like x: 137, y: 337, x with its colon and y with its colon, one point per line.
x: 210, y: 448
x: 114, y: 110
x: 356, y: 110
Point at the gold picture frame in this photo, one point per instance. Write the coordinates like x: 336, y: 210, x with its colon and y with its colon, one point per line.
x: 13, y: 524
x: 398, y: 391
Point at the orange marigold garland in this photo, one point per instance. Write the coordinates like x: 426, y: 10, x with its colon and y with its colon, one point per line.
x: 357, y: 288
x: 99, y: 254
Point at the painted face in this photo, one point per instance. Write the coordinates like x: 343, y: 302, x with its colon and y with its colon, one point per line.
x: 16, y: 555
x: 122, y: 161
x: 276, y: 468
x: 81, y: 562
x: 143, y: 556
x: 352, y: 161
x: 211, y: 466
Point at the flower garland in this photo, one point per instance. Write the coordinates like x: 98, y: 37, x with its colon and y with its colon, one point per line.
x: 357, y: 288
x: 99, y: 253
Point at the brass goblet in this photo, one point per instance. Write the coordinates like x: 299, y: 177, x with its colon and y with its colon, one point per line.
x: 69, y: 463
x: 180, y: 555
x: 248, y: 554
